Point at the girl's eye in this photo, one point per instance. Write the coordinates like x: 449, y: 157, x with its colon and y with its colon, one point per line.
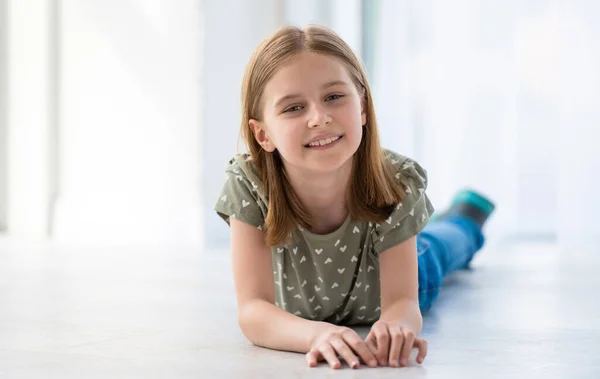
x: 334, y: 97
x: 293, y: 108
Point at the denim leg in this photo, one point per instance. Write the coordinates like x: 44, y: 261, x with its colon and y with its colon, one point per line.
x: 443, y: 247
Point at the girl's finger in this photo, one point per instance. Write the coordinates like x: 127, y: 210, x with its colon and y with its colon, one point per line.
x: 421, y: 344
x: 382, y: 339
x: 345, y: 352
x: 409, y: 340
x: 396, y: 339
x: 312, y: 357
x: 360, y: 348
x: 372, y: 346
x: 330, y: 356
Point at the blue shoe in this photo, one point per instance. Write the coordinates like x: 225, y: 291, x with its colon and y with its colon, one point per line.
x: 468, y: 203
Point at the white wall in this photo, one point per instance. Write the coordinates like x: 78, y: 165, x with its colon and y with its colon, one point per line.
x: 346, y: 19
x: 130, y: 122
x: 390, y: 77
x: 343, y: 16
x: 3, y: 118
x: 578, y: 94
x: 28, y: 118
x: 303, y: 12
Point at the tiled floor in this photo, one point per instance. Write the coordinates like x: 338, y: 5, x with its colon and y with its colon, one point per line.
x: 525, y: 311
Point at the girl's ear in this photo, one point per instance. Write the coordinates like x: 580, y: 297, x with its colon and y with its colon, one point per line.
x: 363, y: 111
x: 261, y: 135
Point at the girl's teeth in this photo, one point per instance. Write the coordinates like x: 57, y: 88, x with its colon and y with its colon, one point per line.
x: 324, y: 142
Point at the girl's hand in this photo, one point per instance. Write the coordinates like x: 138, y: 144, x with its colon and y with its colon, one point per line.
x: 334, y: 341
x: 393, y: 343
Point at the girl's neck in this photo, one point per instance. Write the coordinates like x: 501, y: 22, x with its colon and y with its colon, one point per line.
x: 323, y: 195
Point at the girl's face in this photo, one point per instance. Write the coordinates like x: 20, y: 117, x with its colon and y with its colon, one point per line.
x: 312, y: 114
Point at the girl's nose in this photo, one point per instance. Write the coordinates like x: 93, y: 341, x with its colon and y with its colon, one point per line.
x: 319, y: 118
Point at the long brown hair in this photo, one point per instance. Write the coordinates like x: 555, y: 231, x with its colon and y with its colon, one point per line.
x: 372, y: 192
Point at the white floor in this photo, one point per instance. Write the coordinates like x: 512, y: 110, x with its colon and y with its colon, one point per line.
x: 525, y: 311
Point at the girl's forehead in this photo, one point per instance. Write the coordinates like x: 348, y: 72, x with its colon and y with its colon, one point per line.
x: 307, y: 70
x: 309, y: 62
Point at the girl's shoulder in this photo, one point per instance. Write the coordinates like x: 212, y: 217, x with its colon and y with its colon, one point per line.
x: 242, y: 194
x: 241, y: 163
x: 413, y: 212
x: 242, y: 168
x: 408, y: 171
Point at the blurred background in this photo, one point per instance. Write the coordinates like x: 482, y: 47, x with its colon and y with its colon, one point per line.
x: 117, y: 118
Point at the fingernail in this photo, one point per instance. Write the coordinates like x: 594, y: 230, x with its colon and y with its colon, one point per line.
x: 404, y: 362
x: 373, y: 363
x: 354, y: 365
x: 395, y: 363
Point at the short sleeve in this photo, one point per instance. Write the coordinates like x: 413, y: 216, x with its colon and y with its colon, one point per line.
x: 239, y: 197
x: 411, y: 215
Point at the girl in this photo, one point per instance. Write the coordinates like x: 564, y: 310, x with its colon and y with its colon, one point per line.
x: 326, y: 225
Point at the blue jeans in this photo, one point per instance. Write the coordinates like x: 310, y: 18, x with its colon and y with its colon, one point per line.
x: 444, y: 246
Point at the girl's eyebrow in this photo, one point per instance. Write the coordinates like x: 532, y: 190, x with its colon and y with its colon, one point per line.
x: 285, y: 98
x: 295, y: 95
x: 335, y: 83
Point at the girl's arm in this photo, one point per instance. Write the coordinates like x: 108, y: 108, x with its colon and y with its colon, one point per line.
x: 396, y: 333
x: 262, y: 322
x: 399, y: 277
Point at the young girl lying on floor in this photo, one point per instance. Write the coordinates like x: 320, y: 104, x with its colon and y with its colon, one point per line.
x: 329, y: 229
